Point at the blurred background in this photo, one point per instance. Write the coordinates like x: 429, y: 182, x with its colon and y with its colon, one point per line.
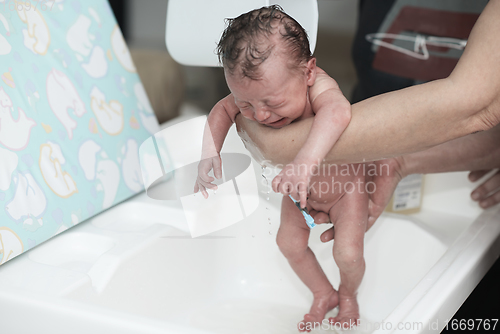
x: 143, y: 26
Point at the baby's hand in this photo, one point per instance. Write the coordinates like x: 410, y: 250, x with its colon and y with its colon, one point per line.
x: 294, y: 180
x: 203, y: 180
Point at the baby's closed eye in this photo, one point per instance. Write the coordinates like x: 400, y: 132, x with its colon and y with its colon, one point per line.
x: 276, y: 105
x: 247, y: 112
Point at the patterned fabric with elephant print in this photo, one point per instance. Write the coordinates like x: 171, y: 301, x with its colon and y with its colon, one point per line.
x: 73, y: 113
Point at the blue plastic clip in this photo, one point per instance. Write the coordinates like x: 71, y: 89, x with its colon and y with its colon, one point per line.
x: 305, y: 213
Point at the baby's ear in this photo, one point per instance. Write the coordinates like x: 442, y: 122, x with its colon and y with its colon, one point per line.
x: 311, y: 71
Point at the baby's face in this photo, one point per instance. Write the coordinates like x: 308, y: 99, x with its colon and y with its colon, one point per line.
x: 277, y: 99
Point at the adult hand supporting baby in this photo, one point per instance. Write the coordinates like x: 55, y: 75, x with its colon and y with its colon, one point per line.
x: 479, y: 153
x: 384, y: 185
x: 476, y: 152
x: 488, y: 193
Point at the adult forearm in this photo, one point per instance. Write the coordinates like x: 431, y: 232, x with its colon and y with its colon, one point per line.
x: 477, y: 151
x: 402, y: 122
x: 384, y: 126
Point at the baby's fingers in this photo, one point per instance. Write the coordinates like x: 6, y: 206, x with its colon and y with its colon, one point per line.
x: 204, y: 168
x: 217, y: 167
x: 205, y: 177
x: 203, y: 191
x: 207, y: 184
x: 286, y: 188
x: 276, y: 183
x: 199, y: 187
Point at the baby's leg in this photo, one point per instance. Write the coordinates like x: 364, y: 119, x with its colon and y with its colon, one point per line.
x: 292, y: 239
x: 350, y: 221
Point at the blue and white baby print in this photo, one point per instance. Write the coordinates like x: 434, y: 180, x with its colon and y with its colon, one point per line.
x: 73, y: 112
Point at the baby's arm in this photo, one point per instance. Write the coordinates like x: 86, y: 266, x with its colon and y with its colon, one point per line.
x: 219, y: 121
x: 333, y: 114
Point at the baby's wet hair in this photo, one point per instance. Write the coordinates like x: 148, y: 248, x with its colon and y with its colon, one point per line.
x: 250, y: 34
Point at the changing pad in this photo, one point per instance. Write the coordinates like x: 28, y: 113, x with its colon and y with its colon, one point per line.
x: 73, y: 113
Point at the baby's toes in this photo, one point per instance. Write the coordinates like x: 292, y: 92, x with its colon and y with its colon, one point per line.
x: 303, y: 327
x: 310, y: 322
x: 344, y: 322
x: 311, y: 318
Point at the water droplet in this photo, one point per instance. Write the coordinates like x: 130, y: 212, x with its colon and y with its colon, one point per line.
x: 270, y: 233
x: 267, y: 181
x: 267, y: 198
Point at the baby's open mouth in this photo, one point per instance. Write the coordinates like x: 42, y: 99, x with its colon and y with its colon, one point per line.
x: 277, y: 123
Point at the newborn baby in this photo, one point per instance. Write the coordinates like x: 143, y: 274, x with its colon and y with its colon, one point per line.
x: 274, y: 81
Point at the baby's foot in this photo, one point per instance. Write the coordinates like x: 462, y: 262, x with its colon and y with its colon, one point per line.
x: 348, y: 315
x: 321, y: 305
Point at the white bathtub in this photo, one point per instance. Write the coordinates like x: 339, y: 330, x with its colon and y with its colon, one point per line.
x: 135, y: 269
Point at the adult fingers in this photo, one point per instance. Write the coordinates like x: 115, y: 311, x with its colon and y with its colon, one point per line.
x: 321, y: 217
x: 490, y: 200
x: 303, y: 195
x: 476, y: 175
x: 484, y: 190
x: 328, y: 235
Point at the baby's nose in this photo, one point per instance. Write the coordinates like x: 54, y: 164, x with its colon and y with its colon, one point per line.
x: 261, y: 114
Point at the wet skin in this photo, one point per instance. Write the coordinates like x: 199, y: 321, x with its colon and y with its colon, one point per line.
x: 278, y: 98
x: 347, y: 210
